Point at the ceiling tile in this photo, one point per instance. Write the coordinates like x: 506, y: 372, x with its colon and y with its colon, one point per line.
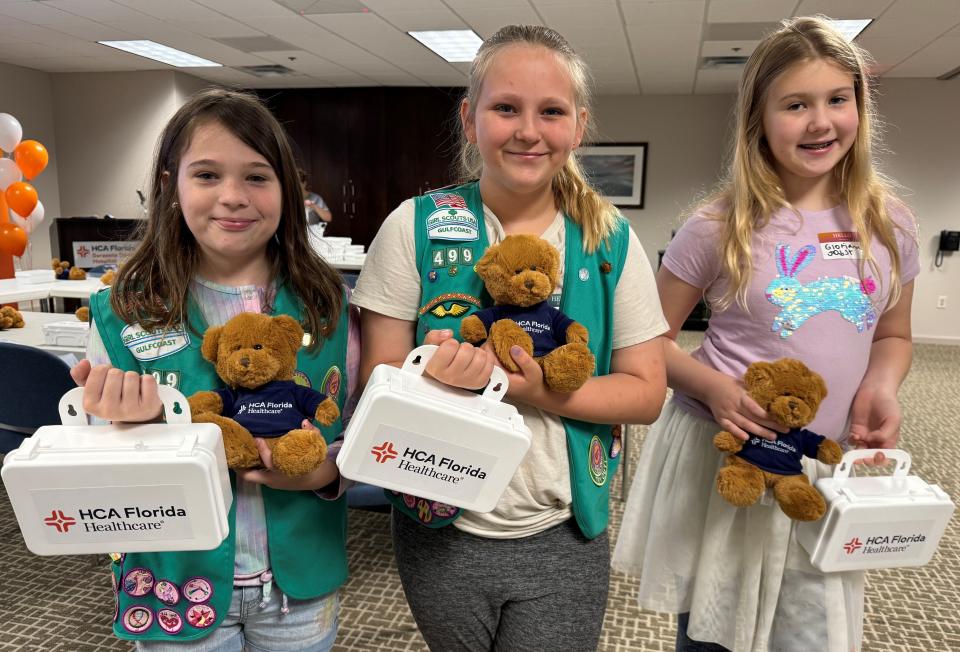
x: 485, y: 20
x: 37, y: 13
x: 660, y: 13
x: 886, y: 50
x: 98, y: 10
x: 846, y: 10
x: 220, y: 27
x: 749, y: 11
x: 938, y: 58
x: 668, y: 87
x: 576, y: 16
x: 171, y: 9
x: 922, y: 19
x: 247, y: 8
x: 728, y: 48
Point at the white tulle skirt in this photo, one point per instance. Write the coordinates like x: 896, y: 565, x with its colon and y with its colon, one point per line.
x: 740, y: 572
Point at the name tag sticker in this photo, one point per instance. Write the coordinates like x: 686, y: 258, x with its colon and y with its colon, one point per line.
x: 836, y: 245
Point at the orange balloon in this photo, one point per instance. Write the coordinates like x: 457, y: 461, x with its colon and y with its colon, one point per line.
x: 13, y: 239
x: 22, y: 198
x: 31, y: 158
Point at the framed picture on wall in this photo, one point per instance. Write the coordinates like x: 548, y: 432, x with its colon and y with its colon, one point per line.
x: 617, y: 170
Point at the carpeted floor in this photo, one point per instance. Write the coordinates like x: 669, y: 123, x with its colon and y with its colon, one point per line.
x: 64, y: 603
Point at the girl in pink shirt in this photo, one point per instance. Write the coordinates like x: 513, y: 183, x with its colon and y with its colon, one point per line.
x: 803, y: 253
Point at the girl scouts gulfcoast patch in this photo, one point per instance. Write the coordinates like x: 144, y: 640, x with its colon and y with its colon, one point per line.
x: 146, y: 346
x: 452, y: 220
x: 598, y: 462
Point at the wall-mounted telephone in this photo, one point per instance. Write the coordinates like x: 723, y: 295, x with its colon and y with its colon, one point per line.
x: 949, y: 241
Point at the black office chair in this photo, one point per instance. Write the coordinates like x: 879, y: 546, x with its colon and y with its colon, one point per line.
x: 31, y: 384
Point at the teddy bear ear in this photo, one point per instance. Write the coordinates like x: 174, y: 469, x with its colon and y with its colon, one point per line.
x: 211, y: 341
x: 487, y: 260
x: 290, y: 329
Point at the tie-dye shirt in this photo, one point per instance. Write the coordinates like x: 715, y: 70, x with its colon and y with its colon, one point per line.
x: 218, y: 304
x: 805, y: 300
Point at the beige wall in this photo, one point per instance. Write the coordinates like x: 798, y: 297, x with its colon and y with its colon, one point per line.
x: 27, y: 95
x: 923, y: 154
x: 687, y: 150
x: 108, y: 125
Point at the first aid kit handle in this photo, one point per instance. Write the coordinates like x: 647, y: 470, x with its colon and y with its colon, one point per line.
x: 417, y: 361
x: 902, y: 458
x: 175, y: 406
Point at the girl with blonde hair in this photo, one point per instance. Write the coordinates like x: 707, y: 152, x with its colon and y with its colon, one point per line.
x: 803, y: 253
x: 532, y: 573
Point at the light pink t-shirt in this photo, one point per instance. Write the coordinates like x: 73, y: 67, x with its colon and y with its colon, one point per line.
x: 805, y: 300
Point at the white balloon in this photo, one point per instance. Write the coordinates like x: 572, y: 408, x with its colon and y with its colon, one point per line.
x: 22, y: 222
x: 37, y: 215
x: 9, y: 173
x: 10, y: 132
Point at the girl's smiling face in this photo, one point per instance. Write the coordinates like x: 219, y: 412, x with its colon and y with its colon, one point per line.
x: 230, y: 197
x: 810, y: 120
x: 526, y: 121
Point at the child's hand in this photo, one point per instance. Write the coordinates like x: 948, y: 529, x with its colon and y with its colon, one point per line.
x: 114, y: 395
x: 526, y: 386
x: 735, y: 411
x: 458, y: 364
x: 875, y: 419
x: 320, y: 477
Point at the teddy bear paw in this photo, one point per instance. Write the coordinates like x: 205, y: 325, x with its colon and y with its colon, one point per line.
x: 298, y: 452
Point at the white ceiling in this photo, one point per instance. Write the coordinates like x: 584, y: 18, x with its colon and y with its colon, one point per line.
x: 632, y: 46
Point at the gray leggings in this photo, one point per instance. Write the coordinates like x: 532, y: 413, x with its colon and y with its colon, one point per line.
x: 541, y: 593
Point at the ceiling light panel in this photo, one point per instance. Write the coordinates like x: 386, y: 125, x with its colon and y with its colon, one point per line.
x: 452, y: 44
x: 161, y: 53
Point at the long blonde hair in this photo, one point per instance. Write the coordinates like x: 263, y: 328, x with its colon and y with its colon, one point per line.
x: 752, y: 191
x: 572, y: 192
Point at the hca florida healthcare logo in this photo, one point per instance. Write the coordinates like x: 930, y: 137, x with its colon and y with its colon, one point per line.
x: 114, y: 519
x: 445, y: 469
x: 883, y: 544
x: 384, y: 452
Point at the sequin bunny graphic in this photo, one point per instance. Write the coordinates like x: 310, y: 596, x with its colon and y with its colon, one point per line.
x: 800, y: 302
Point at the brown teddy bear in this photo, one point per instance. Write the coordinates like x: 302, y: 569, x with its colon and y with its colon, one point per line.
x: 256, y: 356
x: 61, y: 268
x: 10, y: 317
x: 76, y: 274
x: 82, y: 313
x: 791, y: 394
x: 520, y: 273
x: 108, y: 276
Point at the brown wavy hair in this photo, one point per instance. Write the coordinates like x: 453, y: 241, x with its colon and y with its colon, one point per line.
x: 153, y: 287
x: 752, y: 191
x: 572, y: 192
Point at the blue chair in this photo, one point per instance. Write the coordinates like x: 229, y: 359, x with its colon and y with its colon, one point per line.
x: 31, y: 385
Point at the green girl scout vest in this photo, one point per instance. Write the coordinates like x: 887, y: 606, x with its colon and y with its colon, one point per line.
x: 180, y: 596
x: 450, y: 237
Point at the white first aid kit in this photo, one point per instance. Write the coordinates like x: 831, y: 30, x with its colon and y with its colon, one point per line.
x: 876, y: 521
x: 79, y: 489
x: 66, y: 333
x: 413, y: 434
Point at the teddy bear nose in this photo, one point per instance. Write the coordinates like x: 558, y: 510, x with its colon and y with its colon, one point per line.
x: 794, y: 404
x: 244, y: 361
x: 529, y: 284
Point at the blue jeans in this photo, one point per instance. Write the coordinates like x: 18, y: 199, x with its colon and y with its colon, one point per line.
x: 309, y: 626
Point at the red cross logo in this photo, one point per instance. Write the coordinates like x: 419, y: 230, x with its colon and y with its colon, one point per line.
x: 82, y: 251
x: 60, y: 521
x: 384, y: 452
x: 852, y: 545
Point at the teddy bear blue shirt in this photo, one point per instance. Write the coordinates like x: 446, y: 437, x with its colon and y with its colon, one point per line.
x: 545, y: 325
x: 783, y: 454
x: 270, y: 410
